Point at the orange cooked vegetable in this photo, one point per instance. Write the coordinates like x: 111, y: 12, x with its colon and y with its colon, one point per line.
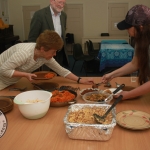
x: 49, y: 75
x: 61, y: 96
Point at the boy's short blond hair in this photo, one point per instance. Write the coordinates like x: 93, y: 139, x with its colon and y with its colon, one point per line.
x: 49, y: 40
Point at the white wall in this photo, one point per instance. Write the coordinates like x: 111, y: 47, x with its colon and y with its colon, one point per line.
x: 95, y: 17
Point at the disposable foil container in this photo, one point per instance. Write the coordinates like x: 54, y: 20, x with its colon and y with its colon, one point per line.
x: 99, y: 132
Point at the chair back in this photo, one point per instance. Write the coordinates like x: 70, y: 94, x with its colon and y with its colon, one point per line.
x: 77, y: 51
x: 70, y: 38
x: 91, y: 45
x: 89, y: 48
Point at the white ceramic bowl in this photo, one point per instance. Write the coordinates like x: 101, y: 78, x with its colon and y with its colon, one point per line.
x: 34, y: 110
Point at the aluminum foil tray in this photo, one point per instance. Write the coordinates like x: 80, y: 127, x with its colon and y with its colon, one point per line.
x: 99, y: 132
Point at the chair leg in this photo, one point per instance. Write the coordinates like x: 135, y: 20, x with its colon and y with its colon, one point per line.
x: 73, y: 66
x: 83, y: 66
x: 72, y: 48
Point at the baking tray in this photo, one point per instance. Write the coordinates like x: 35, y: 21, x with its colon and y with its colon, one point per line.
x: 98, y: 132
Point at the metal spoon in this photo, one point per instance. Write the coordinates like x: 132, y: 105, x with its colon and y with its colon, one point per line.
x: 96, y: 85
x: 117, y: 85
x: 107, y: 84
x: 101, y: 119
x: 18, y: 89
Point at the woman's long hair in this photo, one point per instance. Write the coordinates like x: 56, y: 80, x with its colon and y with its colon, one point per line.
x: 142, y: 41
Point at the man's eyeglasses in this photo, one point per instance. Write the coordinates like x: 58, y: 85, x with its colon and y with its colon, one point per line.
x: 60, y: 3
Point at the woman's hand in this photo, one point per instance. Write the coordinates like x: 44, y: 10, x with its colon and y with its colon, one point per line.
x: 123, y: 93
x: 106, y: 78
x: 81, y: 80
x: 30, y: 76
x: 86, y: 81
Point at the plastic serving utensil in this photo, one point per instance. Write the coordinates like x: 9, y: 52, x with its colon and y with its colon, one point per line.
x: 101, y: 119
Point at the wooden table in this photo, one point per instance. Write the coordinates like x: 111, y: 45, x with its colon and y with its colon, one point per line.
x: 48, y: 133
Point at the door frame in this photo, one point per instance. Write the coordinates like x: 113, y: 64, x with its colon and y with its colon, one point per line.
x: 23, y: 17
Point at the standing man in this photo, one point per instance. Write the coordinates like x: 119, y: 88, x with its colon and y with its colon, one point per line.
x: 52, y: 18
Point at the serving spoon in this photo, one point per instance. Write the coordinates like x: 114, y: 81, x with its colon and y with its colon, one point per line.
x: 101, y: 119
x: 115, y: 91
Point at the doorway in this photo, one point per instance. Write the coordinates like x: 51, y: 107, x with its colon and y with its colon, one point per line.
x: 116, y: 13
x: 4, y: 11
x: 75, y: 21
x: 28, y: 12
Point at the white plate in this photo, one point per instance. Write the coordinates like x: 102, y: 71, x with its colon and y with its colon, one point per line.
x: 113, y: 89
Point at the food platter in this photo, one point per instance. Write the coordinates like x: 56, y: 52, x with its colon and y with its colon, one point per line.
x: 133, y: 119
x: 84, y: 130
x: 44, y: 75
x: 6, y: 104
x: 62, y: 95
x: 96, y: 97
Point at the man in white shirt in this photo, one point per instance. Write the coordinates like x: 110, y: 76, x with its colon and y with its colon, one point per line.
x: 52, y: 18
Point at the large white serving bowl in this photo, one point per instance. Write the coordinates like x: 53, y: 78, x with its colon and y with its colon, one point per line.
x: 33, y: 110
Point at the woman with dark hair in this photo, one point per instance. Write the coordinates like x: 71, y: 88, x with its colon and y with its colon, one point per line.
x: 22, y: 59
x: 137, y: 23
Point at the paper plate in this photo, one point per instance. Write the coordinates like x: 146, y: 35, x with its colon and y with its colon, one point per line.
x: 43, y: 75
x: 133, y: 119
